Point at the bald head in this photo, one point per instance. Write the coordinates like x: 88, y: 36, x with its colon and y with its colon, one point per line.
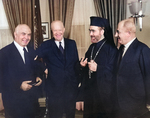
x: 22, y: 34
x: 58, y: 30
x: 125, y: 31
x: 22, y: 26
x: 128, y: 25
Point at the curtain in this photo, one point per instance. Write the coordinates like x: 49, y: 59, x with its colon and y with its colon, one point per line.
x: 113, y: 10
x: 62, y: 10
x: 83, y: 9
x: 38, y: 36
x: 25, y: 12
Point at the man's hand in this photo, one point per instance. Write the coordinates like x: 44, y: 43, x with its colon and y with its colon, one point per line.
x: 148, y: 106
x: 80, y: 105
x: 83, y: 62
x: 92, y: 65
x: 25, y: 86
x: 1, y: 103
x: 46, y: 72
x: 39, y: 83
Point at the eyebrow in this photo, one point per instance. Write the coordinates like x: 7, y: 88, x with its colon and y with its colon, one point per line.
x: 91, y: 30
x: 25, y: 33
x: 117, y: 31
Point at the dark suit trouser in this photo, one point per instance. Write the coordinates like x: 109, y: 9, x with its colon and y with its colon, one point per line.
x: 126, y: 114
x: 20, y: 109
x: 65, y: 103
x: 21, y: 116
x: 121, y: 114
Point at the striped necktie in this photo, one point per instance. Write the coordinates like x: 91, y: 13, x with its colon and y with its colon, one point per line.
x: 61, y: 48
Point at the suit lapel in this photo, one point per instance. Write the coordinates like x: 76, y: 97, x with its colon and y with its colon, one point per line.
x: 56, y: 51
x: 128, y: 56
x: 17, y: 55
x: 67, y: 51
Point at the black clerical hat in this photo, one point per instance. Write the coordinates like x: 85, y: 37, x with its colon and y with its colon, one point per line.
x: 98, y: 21
x: 102, y: 22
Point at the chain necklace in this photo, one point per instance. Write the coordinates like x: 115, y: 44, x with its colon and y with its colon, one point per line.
x: 95, y: 56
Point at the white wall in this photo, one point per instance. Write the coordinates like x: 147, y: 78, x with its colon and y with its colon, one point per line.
x: 44, y: 6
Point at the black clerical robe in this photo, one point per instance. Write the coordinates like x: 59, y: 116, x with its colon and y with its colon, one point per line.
x: 99, y: 89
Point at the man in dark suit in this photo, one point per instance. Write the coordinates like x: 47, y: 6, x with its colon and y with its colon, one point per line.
x: 98, y: 67
x: 133, y: 73
x: 17, y: 71
x: 61, y: 58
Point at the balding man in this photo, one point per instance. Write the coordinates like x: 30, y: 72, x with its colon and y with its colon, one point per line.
x: 17, y: 70
x: 133, y: 74
x: 61, y: 56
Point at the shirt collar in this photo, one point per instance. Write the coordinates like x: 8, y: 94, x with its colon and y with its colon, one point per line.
x: 129, y: 43
x: 62, y: 43
x: 20, y: 47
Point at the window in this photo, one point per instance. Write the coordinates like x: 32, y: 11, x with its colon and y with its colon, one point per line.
x: 3, y: 19
x: 5, y: 34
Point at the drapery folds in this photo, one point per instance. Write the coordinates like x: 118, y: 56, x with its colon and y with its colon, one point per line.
x: 25, y: 12
x: 62, y: 10
x: 113, y: 10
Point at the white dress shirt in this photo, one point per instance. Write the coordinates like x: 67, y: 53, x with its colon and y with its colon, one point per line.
x: 126, y: 46
x: 62, y: 43
x: 20, y: 49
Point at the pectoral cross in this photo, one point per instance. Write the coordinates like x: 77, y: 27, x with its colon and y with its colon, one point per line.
x: 90, y: 72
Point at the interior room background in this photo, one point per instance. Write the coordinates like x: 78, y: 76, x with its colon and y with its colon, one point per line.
x: 83, y: 9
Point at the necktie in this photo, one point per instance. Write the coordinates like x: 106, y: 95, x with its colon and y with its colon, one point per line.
x: 121, y: 49
x: 61, y: 48
x: 25, y: 55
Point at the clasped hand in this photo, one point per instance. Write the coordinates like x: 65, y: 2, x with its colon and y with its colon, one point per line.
x: 25, y: 86
x: 92, y: 64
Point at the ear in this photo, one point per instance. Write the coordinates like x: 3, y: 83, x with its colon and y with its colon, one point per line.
x: 15, y: 34
x: 64, y: 30
x: 102, y: 32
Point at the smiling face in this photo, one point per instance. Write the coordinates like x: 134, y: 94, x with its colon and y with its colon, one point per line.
x: 58, y: 30
x: 22, y: 35
x: 95, y: 33
x: 125, y: 31
x: 121, y: 34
